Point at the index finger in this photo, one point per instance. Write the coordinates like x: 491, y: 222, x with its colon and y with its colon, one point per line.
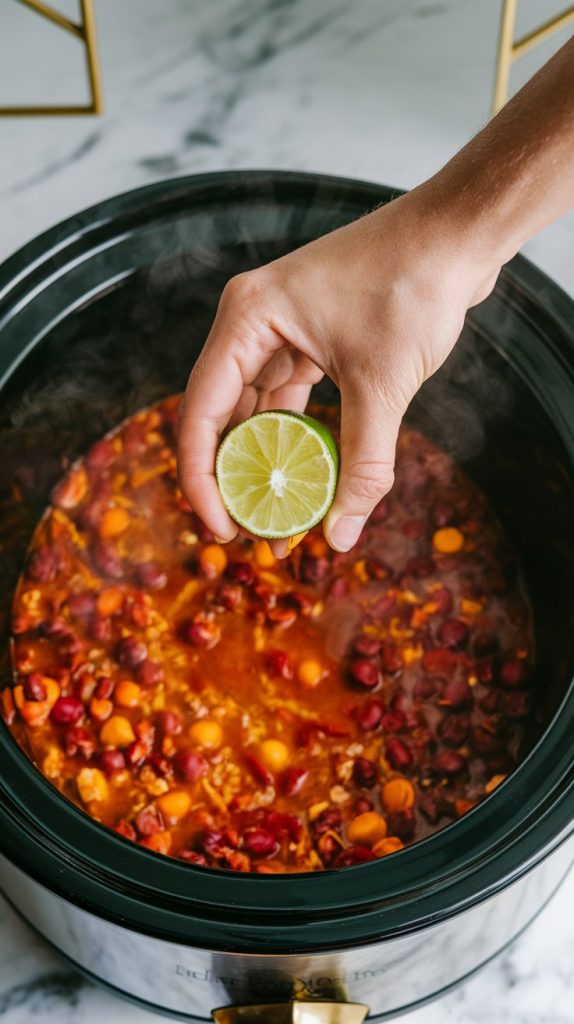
x: 234, y: 354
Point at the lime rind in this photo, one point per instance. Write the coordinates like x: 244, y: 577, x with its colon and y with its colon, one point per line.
x: 301, y: 463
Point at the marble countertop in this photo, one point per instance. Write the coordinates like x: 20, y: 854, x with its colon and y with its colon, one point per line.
x: 379, y: 89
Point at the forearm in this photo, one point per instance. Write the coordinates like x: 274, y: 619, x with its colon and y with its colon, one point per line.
x: 517, y: 175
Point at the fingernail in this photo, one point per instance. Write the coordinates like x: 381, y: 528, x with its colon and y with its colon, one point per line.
x: 346, y: 532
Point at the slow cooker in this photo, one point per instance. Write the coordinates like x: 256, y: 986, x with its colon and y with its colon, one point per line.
x: 106, y: 313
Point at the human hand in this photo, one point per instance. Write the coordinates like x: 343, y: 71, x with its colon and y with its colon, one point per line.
x: 377, y: 306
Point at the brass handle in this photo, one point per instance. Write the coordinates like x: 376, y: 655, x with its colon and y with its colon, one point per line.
x: 295, y: 1012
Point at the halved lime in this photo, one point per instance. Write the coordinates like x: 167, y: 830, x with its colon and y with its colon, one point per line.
x: 277, y: 473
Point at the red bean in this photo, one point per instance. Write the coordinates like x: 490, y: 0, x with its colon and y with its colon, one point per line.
x: 34, y: 688
x: 281, y: 824
x: 131, y: 651
x: 112, y: 761
x: 278, y: 664
x: 108, y: 561
x: 440, y: 662
x: 126, y: 830
x: 149, y: 821
x: 442, y: 513
x: 453, y: 633
x: 485, y: 741
x: 339, y: 588
x: 133, y: 438
x: 169, y: 723
x: 150, y: 576
x: 292, y: 780
x: 413, y: 481
x: 192, y: 857
x: 353, y: 855
x: 295, y: 599
x: 398, y: 753
x: 104, y: 688
x: 148, y: 673
x: 367, y: 646
x: 67, y: 711
x: 448, y: 762
x: 159, y: 764
x: 427, y: 687
x: 203, y: 634
x: 329, y: 820
x: 101, y: 629
x: 489, y: 703
x: 364, y: 673
x: 42, y: 565
x: 241, y: 572
x: 101, y: 455
x: 363, y: 805
x: 485, y: 670
x: 391, y: 661
x: 454, y: 730
x: 456, y: 693
x: 189, y: 766
x: 81, y: 606
x: 370, y: 714
x: 365, y: 773
x: 515, y: 705
x: 314, y: 570
x: 402, y: 824
x: 427, y: 805
x: 486, y: 642
x: 212, y: 842
x: 393, y: 721
x: 258, y: 770
x: 513, y: 673
x: 136, y: 753
x: 78, y: 741
x: 230, y: 596
x: 376, y: 569
x: 442, y: 597
x: 259, y: 842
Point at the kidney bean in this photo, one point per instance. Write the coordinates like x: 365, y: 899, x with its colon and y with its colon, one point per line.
x: 456, y: 693
x: 398, y: 753
x: 104, y: 688
x: 489, y: 703
x: 149, y: 673
x: 82, y: 606
x: 133, y: 438
x: 453, y: 633
x: 427, y: 687
x: 485, y: 670
x: 393, y: 721
x: 515, y: 705
x: 485, y: 642
x: 413, y: 480
x: 391, y: 661
x: 149, y: 821
x: 131, y: 652
x: 353, y: 855
x: 420, y: 567
x: 192, y: 857
x: 278, y: 664
x: 339, y: 588
x: 376, y: 569
x: 169, y: 723
x: 363, y: 805
x: 112, y: 761
x: 67, y: 711
x: 302, y: 603
x: 124, y: 829
x: 485, y: 741
x: 203, y: 634
x: 260, y: 843
x: 364, y: 673
x: 513, y: 673
x: 136, y: 753
x: 281, y: 824
x: 383, y: 605
x: 260, y: 773
x: 42, y: 565
x: 159, y: 764
x: 366, y: 646
x: 427, y: 805
x: 442, y: 597
x: 365, y: 773
x: 101, y: 455
x: 34, y: 688
x: 370, y: 714
x: 188, y: 765
x: 292, y: 780
x: 241, y: 572
x: 150, y: 576
x: 402, y: 824
x: 101, y: 629
x: 212, y: 842
x: 330, y: 820
x: 314, y: 570
x: 439, y: 661
x: 108, y: 561
x: 454, y: 730
x: 230, y: 596
x: 78, y: 741
x: 448, y: 762
x: 328, y: 848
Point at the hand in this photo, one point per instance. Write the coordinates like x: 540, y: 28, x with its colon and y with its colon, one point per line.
x: 377, y: 306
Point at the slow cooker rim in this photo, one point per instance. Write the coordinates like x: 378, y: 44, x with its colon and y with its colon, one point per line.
x: 37, y: 256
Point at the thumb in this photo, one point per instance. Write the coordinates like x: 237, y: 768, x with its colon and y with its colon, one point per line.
x: 369, y: 429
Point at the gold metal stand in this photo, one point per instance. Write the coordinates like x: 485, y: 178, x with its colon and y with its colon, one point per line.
x: 86, y: 32
x: 294, y: 1012
x: 510, y: 50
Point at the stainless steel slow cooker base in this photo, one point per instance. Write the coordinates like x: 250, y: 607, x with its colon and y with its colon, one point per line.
x: 390, y: 977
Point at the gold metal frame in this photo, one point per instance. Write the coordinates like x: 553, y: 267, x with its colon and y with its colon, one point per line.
x: 86, y: 32
x: 510, y: 49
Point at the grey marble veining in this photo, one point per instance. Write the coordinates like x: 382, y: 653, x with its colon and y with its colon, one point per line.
x: 380, y: 89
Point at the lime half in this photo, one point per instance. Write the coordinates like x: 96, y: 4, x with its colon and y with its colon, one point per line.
x: 277, y: 473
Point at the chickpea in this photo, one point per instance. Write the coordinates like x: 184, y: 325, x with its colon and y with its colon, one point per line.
x: 159, y: 842
x: 398, y: 795
x: 274, y: 754
x: 448, y: 540
x: 213, y: 561
x: 310, y: 672
x: 174, y: 805
x: 117, y: 732
x: 206, y: 733
x: 127, y: 694
x: 109, y: 601
x: 367, y: 829
x: 113, y: 522
x: 392, y: 844
x: 92, y: 785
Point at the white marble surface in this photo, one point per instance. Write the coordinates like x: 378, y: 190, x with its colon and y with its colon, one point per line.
x: 379, y: 89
